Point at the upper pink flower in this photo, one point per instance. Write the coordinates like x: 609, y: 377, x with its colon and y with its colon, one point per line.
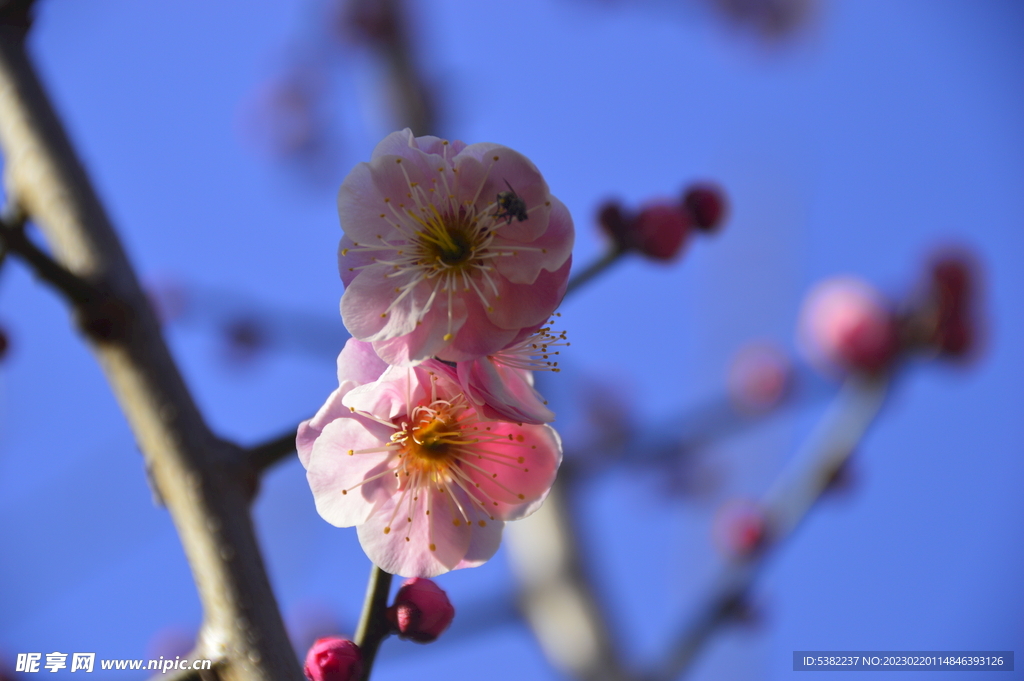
x: 449, y: 250
x: 425, y: 477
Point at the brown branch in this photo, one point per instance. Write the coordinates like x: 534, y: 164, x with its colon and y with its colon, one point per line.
x: 201, y: 478
x: 373, y: 625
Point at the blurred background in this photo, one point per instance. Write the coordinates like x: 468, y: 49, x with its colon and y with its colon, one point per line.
x: 851, y: 138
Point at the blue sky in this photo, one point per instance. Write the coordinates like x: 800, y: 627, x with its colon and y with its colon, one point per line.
x: 877, y: 133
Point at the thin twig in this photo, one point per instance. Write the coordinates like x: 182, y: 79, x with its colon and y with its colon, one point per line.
x: 265, y: 455
x: 785, y: 506
x: 12, y: 233
x: 593, y: 269
x: 373, y: 624
x: 201, y: 478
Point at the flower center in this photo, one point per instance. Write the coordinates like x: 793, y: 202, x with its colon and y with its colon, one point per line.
x: 447, y: 239
x: 435, y: 439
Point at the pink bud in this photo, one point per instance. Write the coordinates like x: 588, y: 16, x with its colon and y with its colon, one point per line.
x: 740, y: 528
x: 846, y: 323
x: 421, y: 611
x: 659, y: 231
x: 333, y: 659
x: 759, y: 377
x: 706, y: 205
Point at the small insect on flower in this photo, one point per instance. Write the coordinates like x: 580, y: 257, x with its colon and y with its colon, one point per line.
x: 511, y: 205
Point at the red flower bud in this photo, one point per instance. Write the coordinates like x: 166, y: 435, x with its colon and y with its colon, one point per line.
x: 615, y: 224
x: 659, y: 231
x: 333, y: 659
x: 706, y: 205
x: 421, y: 611
x: 952, y: 282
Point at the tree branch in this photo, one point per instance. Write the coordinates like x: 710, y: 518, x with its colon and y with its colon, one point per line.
x: 787, y: 503
x: 201, y: 478
x: 265, y: 455
x: 556, y: 597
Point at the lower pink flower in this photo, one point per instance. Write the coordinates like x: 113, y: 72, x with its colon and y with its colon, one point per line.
x: 425, y: 477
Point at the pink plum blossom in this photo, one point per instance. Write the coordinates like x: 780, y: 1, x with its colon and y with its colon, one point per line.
x: 426, y: 478
x: 449, y: 250
x: 500, y: 385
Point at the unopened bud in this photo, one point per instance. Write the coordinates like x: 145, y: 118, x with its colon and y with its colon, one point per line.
x: 846, y: 323
x: 615, y: 224
x: 740, y: 528
x: 421, y: 611
x: 659, y: 231
x: 706, y: 205
x: 759, y: 377
x: 952, y: 280
x: 333, y: 659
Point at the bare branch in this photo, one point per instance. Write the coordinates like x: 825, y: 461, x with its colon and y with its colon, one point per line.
x: 265, y: 455
x: 201, y: 478
x: 785, y: 506
x: 556, y: 597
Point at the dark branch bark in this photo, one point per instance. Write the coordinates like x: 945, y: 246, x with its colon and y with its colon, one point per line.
x: 265, y: 455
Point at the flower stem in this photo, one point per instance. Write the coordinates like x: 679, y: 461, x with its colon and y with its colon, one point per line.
x: 595, y: 268
x: 373, y: 626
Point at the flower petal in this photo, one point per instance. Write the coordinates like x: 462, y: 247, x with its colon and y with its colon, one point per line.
x: 513, y: 474
x: 365, y: 303
x: 534, y: 303
x: 503, y: 392
x: 347, y: 487
x: 358, y: 364
x: 404, y: 539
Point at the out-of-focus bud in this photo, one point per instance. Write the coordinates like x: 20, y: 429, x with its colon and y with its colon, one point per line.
x: 659, y: 231
x: 846, y: 323
x: 169, y: 297
x: 421, y: 611
x: 171, y: 642
x: 615, y: 223
x: 953, y: 284
x: 740, y: 528
x: 333, y: 659
x: 706, y: 206
x: 759, y: 377
x: 244, y: 339
x: 5, y: 343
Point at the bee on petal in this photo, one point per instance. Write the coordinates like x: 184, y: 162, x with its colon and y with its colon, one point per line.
x: 511, y: 205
